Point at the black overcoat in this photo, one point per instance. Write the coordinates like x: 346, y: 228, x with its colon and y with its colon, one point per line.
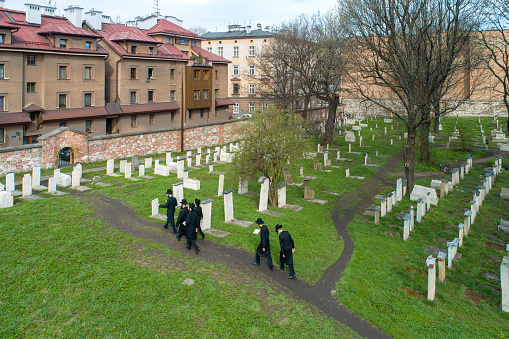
x: 286, y: 243
x: 170, y: 205
x: 191, y: 224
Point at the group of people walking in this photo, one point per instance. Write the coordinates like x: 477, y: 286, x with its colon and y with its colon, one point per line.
x: 188, y: 221
x: 188, y: 225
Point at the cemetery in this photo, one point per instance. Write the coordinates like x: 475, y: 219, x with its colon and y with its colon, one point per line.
x: 416, y: 256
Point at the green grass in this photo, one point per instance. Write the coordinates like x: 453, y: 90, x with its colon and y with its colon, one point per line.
x: 64, y: 275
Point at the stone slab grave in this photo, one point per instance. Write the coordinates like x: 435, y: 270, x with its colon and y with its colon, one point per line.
x: 63, y: 180
x: 6, y: 199
x: 350, y: 136
x: 193, y: 184
x: 264, y: 196
x: 226, y: 157
x: 97, y: 181
x: 503, y: 226
x: 162, y: 170
x: 206, y: 222
x: 110, y: 168
x: 504, y: 193
x: 281, y: 202
x: 422, y: 192
x: 228, y: 210
x: 36, y: 180
x: 155, y: 210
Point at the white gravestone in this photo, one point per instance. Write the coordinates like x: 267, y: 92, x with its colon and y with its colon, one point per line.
x: 75, y: 180
x: 228, y: 205
x: 421, y: 192
x: 52, y: 185
x: 36, y: 176
x: 281, y: 196
x: 406, y: 227
x: 180, y: 168
x: 27, y: 185
x: 206, y: 209
x: 141, y: 171
x: 148, y: 162
x: 399, y: 189
x: 264, y: 193
x: 110, y: 166
x: 168, y: 157
x: 161, y: 170
x: 128, y: 171
x: 178, y: 191
x: 243, y: 186
x: 122, y: 165
x: 220, y: 186
x: 192, y: 184
x: 62, y: 179
x: 504, y: 283
x: 9, y: 182
x: 79, y: 169
x: 432, y: 276
x: 6, y: 199
x: 190, y: 161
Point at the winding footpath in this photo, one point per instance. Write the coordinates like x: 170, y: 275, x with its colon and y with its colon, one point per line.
x: 123, y: 218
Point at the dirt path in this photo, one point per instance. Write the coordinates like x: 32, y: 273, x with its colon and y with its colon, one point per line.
x: 123, y: 218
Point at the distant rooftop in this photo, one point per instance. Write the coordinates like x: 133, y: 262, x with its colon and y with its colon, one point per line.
x: 238, y: 32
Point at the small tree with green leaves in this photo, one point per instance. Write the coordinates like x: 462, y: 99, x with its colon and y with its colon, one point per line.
x: 270, y: 141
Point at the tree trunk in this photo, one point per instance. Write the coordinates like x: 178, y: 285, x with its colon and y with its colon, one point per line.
x: 410, y: 157
x: 436, y: 124
x: 424, y: 155
x: 305, y: 110
x: 330, y: 122
x: 273, y: 194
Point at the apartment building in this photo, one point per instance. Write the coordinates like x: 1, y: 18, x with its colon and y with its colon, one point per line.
x: 85, y: 72
x: 240, y: 45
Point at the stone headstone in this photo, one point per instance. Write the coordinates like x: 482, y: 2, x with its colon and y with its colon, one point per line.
x: 206, y: 209
x: 264, y: 193
x: 243, y: 186
x: 135, y: 163
x: 110, y: 166
x: 96, y: 179
x: 192, y: 184
x: 9, y: 182
x: 168, y: 157
x: 308, y: 193
x: 141, y: 171
x: 52, y: 185
x: 421, y: 192
x: 122, y: 165
x: 504, y: 283
x: 75, y: 180
x: 27, y: 185
x: 180, y: 168
x: 148, y: 162
x: 36, y: 176
x: 350, y: 136
x: 6, y: 199
x: 178, y: 191
x: 128, y: 171
x: 220, y: 187
x: 281, y: 196
x: 228, y: 205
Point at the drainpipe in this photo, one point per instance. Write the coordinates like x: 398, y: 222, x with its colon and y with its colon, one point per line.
x: 117, y: 98
x: 182, y: 111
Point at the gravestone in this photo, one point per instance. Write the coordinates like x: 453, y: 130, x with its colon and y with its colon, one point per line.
x: 189, y: 160
x: 122, y: 165
x: 228, y: 205
x: 347, y: 172
x: 243, y: 186
x: 148, y: 162
x: 308, y: 193
x: 52, y: 185
x: 27, y: 185
x: 110, y: 166
x: 350, y: 136
x: 192, y: 184
x: 264, y: 193
x: 215, y: 156
x: 406, y: 227
x: 399, y: 189
x: 421, y: 192
x: 211, y: 167
x: 36, y: 177
x: 198, y: 159
x: 207, y: 158
x: 180, y: 168
x: 432, y: 276
x: 135, y: 163
x: 141, y: 171
x: 62, y: 179
x: 281, y: 196
x: 220, y: 187
x: 178, y: 192
x: 389, y: 202
x: 441, y: 265
x: 186, y: 173
x: 504, y: 283
x: 168, y: 157
x: 75, y: 178
x: 206, y: 209
x: 128, y: 171
x: 162, y: 170
x: 9, y: 182
x: 383, y: 207
x: 461, y: 229
x: 6, y: 199
x: 155, y: 210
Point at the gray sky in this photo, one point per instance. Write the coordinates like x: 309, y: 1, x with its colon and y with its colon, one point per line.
x: 210, y: 14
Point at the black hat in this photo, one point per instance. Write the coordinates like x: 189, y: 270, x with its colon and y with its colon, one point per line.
x: 259, y: 221
x: 183, y: 202
x: 197, y: 201
x: 191, y: 206
x: 169, y: 191
x: 278, y: 227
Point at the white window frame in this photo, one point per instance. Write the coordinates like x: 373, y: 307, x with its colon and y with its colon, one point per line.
x: 251, y: 70
x: 251, y: 89
x: 236, y: 107
x: 251, y: 108
x: 251, y: 51
x: 220, y: 51
x: 209, y: 49
x: 235, y: 51
x: 236, y: 70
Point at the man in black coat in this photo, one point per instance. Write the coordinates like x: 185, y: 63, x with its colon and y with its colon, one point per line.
x: 170, y: 205
x: 192, y: 228
x: 181, y: 220
x: 199, y: 213
x: 263, y: 249
x: 287, y: 249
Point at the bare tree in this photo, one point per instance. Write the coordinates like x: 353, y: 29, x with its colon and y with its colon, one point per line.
x: 496, y: 42
x: 198, y: 30
x: 407, y: 49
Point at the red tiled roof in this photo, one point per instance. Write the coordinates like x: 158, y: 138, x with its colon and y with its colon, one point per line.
x: 74, y: 113
x: 14, y: 118
x: 166, y: 27
x: 171, y: 51
x: 223, y: 102
x: 209, y: 56
x: 56, y: 27
x: 31, y: 37
x: 150, y: 108
x: 115, y: 32
x: 33, y: 108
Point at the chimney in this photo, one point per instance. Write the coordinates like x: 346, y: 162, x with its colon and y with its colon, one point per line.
x: 33, y: 14
x: 248, y: 29
x: 48, y: 11
x: 2, y: 3
x: 75, y: 15
x: 106, y: 19
x: 267, y: 28
x: 94, y: 19
x: 259, y: 26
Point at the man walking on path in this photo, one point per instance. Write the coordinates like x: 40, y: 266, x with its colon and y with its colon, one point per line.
x: 181, y: 221
x: 263, y: 249
x: 199, y: 213
x: 192, y: 228
x: 287, y: 249
x: 170, y: 205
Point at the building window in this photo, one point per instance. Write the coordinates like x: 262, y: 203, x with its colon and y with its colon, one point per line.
x: 133, y: 49
x: 88, y: 45
x: 205, y: 94
x: 251, y: 51
x: 236, y: 89
x: 31, y: 60
x: 196, y: 95
x: 190, y: 115
x: 133, y: 73
x: 265, y: 106
x: 87, y: 99
x: 206, y: 74
x: 251, y: 70
x: 63, y: 43
x: 216, y: 93
x: 193, y: 43
x: 172, y: 95
x: 30, y: 87
x: 251, y: 108
x: 235, y: 71
x: 150, y: 73
x: 62, y: 72
x: 2, y: 135
x: 133, y: 121
x: 168, y: 40
x: 201, y: 113
x: 209, y: 49
x: 2, y: 38
x: 235, y: 51
x: 62, y: 124
x: 172, y: 114
x: 88, y: 125
x: 220, y: 51
x: 132, y: 97
x: 151, y: 119
x: 181, y: 42
x: 172, y: 73
x: 151, y: 50
x: 62, y: 100
x: 251, y: 89
x: 88, y: 72
x: 236, y: 107
x: 2, y: 103
x: 215, y: 72
x: 150, y: 96
x: 197, y: 74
